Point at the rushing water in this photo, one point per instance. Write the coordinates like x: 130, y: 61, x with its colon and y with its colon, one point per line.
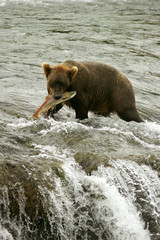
x: 66, y: 179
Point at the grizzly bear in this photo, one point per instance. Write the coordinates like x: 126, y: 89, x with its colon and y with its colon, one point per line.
x: 100, y: 88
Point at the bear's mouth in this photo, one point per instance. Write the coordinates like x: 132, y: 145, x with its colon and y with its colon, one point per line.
x: 57, y: 94
x: 66, y: 95
x: 57, y: 97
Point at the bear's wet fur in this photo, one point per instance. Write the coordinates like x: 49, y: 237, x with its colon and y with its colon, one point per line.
x: 100, y: 88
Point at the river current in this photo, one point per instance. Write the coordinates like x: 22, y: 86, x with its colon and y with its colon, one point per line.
x: 65, y: 179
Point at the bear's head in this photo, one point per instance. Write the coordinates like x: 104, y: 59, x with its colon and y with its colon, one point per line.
x: 59, y: 78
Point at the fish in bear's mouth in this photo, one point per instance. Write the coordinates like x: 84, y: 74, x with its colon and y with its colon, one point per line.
x: 51, y: 102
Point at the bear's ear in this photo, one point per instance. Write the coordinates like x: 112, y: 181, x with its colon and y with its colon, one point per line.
x: 72, y: 73
x: 46, y: 68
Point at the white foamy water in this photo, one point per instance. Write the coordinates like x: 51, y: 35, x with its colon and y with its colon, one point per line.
x: 4, y: 234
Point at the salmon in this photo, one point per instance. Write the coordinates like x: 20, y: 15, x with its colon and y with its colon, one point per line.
x: 51, y: 102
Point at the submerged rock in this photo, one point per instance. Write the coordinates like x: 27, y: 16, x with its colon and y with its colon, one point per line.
x: 43, y: 199
x: 23, y: 205
x: 91, y: 161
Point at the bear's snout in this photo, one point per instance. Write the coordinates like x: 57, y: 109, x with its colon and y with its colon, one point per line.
x: 57, y: 94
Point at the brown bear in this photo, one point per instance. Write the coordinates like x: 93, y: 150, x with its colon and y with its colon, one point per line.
x: 100, y: 88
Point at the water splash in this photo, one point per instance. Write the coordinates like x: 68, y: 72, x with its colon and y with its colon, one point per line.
x: 4, y: 234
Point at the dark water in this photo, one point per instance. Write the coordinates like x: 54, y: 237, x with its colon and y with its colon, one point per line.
x: 65, y: 179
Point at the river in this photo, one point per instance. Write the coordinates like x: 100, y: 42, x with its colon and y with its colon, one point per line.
x: 66, y: 179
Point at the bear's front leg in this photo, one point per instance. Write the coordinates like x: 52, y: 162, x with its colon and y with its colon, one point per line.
x: 81, y: 113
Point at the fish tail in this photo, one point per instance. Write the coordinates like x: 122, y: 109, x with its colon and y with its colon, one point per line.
x: 35, y: 116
